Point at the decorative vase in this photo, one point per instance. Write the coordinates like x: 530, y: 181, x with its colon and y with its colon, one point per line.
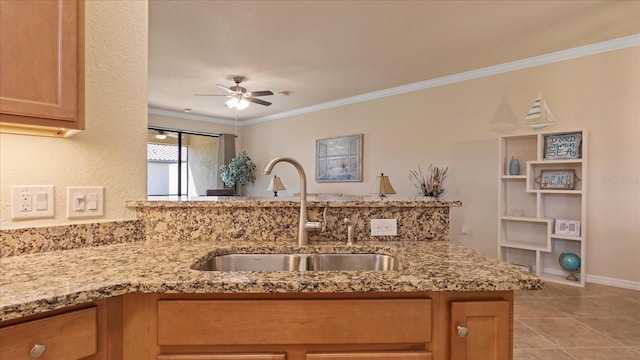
x: 514, y: 166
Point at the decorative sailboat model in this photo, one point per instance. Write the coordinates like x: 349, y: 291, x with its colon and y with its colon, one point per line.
x: 539, y: 115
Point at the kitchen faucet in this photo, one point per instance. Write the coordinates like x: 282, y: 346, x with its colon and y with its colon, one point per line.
x: 304, y: 226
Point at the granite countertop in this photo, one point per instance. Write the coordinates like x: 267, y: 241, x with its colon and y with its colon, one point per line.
x: 40, y: 282
x: 324, y: 200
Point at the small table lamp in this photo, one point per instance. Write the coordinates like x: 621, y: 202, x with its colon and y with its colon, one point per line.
x: 382, y: 186
x: 276, y: 185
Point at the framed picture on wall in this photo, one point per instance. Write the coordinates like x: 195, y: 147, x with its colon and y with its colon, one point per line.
x: 339, y: 159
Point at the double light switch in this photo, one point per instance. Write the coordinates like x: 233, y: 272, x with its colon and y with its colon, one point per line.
x: 85, y: 201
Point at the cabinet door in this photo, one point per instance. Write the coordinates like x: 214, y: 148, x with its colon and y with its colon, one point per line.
x: 481, y: 330
x: 40, y: 62
x: 409, y: 355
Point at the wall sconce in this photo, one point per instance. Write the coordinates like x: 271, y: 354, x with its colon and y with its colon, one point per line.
x: 382, y: 186
x: 276, y: 185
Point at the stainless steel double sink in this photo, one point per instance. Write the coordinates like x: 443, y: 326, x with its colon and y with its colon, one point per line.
x: 299, y: 262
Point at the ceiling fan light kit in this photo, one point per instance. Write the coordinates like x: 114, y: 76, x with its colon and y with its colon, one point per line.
x: 239, y: 96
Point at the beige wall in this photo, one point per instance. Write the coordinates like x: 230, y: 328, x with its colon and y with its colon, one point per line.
x: 458, y: 126
x: 112, y: 150
x: 452, y: 125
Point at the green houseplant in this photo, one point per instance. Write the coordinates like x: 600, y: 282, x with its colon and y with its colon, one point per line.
x: 430, y: 184
x: 239, y: 171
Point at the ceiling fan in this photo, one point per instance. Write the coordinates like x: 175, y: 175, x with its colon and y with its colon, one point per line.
x: 239, y: 96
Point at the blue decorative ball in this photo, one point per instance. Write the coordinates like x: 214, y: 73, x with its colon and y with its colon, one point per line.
x: 569, y: 261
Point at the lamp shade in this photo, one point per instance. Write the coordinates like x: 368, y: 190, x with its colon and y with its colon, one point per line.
x: 382, y: 186
x: 276, y: 185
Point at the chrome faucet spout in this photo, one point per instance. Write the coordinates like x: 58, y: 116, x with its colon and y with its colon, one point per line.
x: 304, y: 226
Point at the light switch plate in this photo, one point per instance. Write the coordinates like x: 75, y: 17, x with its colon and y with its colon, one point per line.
x: 85, y: 201
x: 32, y: 202
x: 384, y: 227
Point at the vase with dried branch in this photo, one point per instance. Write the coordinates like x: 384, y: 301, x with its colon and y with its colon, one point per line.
x: 431, y: 183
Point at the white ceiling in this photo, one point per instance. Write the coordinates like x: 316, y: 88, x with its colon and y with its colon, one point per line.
x: 323, y: 51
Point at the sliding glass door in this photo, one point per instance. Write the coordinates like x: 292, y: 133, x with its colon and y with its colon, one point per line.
x: 181, y: 164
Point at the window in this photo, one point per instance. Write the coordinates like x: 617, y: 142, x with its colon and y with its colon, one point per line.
x: 181, y: 163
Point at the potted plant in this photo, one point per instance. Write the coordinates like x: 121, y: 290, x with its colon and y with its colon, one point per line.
x: 239, y: 171
x: 431, y: 183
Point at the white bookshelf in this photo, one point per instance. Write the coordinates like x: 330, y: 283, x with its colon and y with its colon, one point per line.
x: 528, y: 210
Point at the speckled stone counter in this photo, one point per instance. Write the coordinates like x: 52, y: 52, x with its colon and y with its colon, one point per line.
x: 36, y: 283
x: 276, y: 219
x: 33, y: 240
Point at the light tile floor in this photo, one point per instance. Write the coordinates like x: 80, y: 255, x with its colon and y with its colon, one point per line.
x: 564, y: 322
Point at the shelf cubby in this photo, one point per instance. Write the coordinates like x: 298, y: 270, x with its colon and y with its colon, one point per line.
x: 527, y: 212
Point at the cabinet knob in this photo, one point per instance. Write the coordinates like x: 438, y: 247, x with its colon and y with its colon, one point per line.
x: 37, y: 350
x: 462, y: 331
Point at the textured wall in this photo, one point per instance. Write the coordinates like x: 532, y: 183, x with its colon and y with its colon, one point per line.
x: 111, y: 152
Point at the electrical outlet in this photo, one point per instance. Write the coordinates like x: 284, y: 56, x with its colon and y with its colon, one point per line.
x: 32, y: 201
x: 384, y: 227
x: 24, y: 200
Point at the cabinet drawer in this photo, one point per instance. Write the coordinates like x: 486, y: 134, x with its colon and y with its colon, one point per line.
x: 223, y: 357
x: 68, y: 336
x: 421, y: 355
x: 349, y: 321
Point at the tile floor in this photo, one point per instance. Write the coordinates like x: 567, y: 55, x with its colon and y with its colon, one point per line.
x: 564, y: 322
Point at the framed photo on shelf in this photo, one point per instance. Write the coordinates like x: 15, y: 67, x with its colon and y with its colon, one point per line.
x: 567, y: 227
x: 339, y: 159
x: 563, y: 146
x: 557, y: 179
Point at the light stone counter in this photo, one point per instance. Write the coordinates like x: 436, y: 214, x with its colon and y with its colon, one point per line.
x: 276, y: 219
x: 36, y: 283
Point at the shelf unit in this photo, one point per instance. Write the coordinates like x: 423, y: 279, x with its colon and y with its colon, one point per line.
x: 527, y: 211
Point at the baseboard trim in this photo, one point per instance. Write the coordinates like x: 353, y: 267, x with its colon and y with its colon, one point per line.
x: 603, y: 280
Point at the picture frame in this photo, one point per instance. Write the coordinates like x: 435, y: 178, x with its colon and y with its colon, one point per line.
x: 567, y: 227
x: 339, y: 159
x: 557, y: 179
x: 563, y: 146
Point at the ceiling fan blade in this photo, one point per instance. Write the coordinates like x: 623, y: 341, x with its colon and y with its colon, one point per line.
x: 258, y: 101
x: 225, y: 88
x: 211, y: 95
x: 261, y: 93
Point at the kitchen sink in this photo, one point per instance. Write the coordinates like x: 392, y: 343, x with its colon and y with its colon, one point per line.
x: 350, y: 262
x: 299, y: 262
x: 252, y: 262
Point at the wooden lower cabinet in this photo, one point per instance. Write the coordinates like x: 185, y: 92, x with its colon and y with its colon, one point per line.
x: 224, y: 357
x: 398, y: 326
x: 71, y: 335
x: 372, y: 355
x: 481, y: 330
x: 395, y: 326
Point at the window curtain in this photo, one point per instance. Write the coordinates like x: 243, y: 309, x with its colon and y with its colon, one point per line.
x: 226, y: 152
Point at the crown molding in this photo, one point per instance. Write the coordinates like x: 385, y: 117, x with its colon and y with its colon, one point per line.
x: 558, y: 56
x: 181, y: 115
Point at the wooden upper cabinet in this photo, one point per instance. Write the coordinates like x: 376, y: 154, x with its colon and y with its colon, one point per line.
x: 42, y: 66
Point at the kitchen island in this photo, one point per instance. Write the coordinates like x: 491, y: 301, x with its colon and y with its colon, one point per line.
x: 132, y: 280
x: 144, y: 300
